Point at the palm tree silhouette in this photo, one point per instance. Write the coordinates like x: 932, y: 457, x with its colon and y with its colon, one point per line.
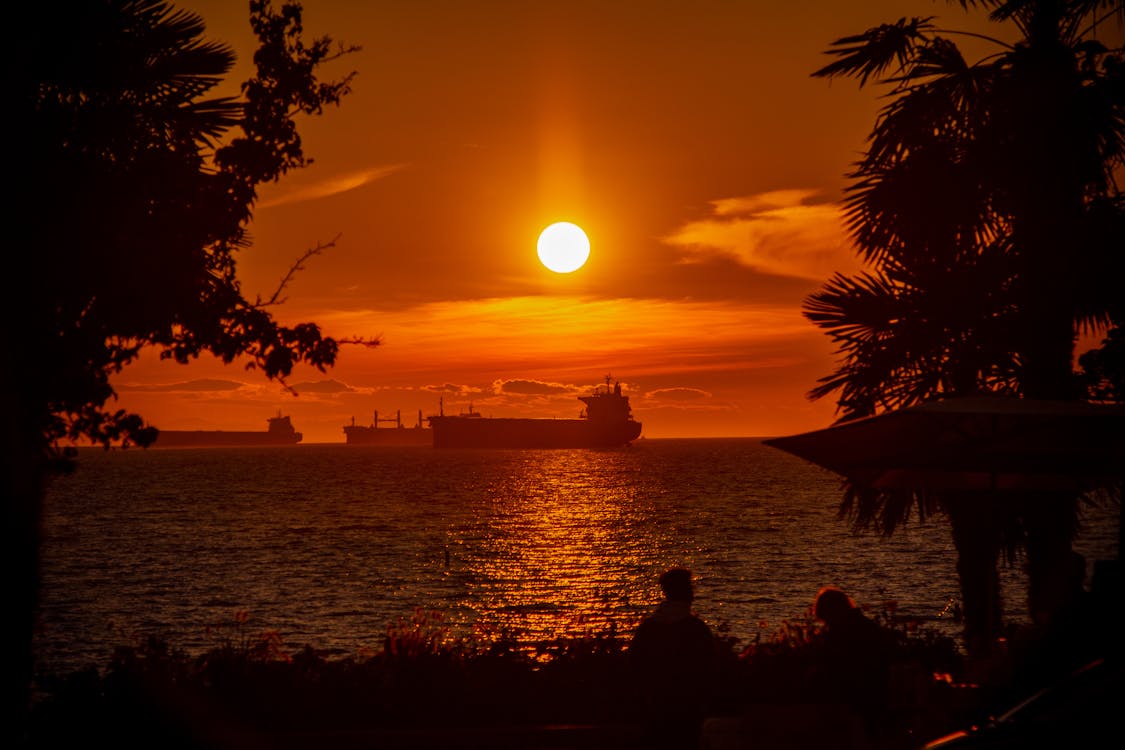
x: 987, y: 208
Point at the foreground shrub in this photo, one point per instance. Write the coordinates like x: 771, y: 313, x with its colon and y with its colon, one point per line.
x: 250, y: 685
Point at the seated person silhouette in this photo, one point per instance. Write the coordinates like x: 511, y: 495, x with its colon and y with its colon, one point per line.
x: 674, y: 661
x: 1066, y: 634
x: 855, y: 659
x: 839, y: 703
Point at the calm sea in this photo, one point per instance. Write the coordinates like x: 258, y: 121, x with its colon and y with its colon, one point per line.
x: 329, y: 544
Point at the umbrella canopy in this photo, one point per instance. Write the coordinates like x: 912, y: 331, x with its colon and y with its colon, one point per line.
x: 974, y: 443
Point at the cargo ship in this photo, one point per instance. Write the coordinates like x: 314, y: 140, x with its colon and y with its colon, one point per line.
x: 606, y: 422
x: 280, y: 432
x: 373, y: 434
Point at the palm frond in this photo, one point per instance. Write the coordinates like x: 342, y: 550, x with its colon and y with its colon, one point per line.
x: 883, y: 510
x: 874, y: 51
x: 966, y: 4
x: 849, y: 306
x: 938, y: 57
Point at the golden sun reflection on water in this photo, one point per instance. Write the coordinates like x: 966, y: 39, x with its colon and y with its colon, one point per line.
x: 565, y: 548
x: 330, y: 545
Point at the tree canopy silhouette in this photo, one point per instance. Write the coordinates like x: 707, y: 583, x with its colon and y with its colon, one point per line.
x: 987, y: 207
x: 133, y: 186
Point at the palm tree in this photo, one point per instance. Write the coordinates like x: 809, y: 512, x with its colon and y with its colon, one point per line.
x: 981, y: 205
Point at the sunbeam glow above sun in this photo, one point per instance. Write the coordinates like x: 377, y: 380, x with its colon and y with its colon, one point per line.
x: 563, y: 247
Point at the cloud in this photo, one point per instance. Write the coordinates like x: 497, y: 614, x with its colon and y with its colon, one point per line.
x: 677, y: 394
x: 780, y: 232
x: 749, y: 204
x: 324, y: 386
x: 202, y: 385
x: 452, y: 388
x: 332, y: 186
x: 682, y: 400
x: 531, y: 387
x: 568, y: 340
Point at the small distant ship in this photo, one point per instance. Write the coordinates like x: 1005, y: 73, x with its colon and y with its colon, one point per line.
x: 373, y: 434
x: 606, y: 422
x: 280, y: 432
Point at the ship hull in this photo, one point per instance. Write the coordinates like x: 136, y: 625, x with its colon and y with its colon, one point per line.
x: 358, y: 435
x: 280, y: 432
x: 486, y: 432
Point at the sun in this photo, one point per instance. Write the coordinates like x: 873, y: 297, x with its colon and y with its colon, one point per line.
x: 563, y: 247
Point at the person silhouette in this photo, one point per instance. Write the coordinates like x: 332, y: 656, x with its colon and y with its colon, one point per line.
x: 674, y: 660
x: 1065, y: 632
x: 855, y: 657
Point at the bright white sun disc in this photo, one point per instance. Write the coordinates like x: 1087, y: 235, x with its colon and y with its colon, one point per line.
x: 563, y: 247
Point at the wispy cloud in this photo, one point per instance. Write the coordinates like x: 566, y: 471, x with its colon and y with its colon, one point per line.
x: 677, y: 394
x: 535, y: 350
x: 202, y: 385
x: 684, y: 363
x: 452, y: 388
x: 323, y: 386
x: 332, y: 186
x: 532, y: 387
x: 576, y: 334
x: 782, y: 232
x: 684, y: 399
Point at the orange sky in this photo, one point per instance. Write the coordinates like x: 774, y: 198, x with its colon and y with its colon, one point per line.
x: 687, y: 139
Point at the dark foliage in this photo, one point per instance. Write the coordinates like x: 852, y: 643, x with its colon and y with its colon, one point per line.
x: 137, y: 186
x: 988, y: 205
x: 251, y: 688
x: 133, y: 188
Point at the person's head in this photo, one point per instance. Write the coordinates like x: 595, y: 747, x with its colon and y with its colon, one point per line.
x: 832, y: 604
x: 676, y: 585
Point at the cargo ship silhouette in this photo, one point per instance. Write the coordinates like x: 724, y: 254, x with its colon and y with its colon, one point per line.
x: 606, y: 422
x: 280, y: 432
x: 373, y: 434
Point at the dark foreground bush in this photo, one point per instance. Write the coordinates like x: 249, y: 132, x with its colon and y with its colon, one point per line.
x: 249, y: 689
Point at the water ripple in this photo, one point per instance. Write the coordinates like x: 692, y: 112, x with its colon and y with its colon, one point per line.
x: 330, y: 544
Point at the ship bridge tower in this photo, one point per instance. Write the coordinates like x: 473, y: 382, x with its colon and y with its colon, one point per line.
x: 609, y: 405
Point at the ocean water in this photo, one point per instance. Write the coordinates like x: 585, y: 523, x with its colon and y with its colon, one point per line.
x: 330, y: 544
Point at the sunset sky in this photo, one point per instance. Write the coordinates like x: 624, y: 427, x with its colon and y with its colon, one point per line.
x: 687, y: 138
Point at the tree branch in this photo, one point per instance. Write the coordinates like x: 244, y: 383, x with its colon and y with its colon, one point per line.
x: 298, y: 265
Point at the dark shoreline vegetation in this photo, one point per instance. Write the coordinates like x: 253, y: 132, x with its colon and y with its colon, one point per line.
x: 251, y: 689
